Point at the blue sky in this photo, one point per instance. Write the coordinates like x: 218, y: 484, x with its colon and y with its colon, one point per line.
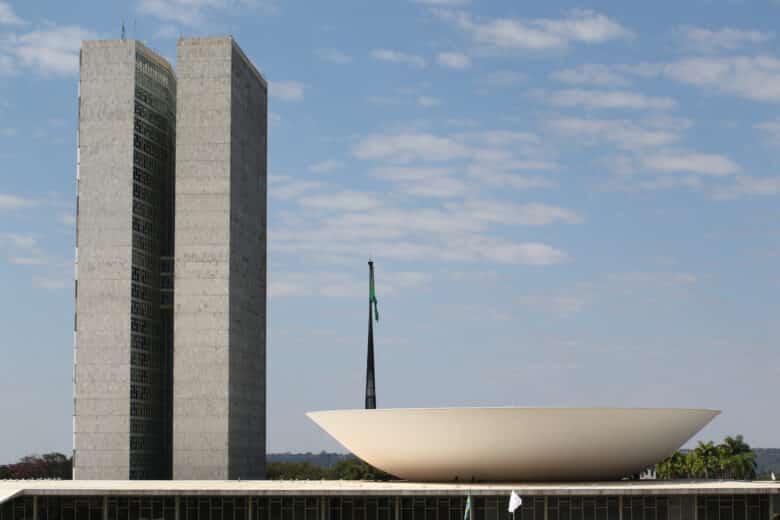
x: 566, y: 206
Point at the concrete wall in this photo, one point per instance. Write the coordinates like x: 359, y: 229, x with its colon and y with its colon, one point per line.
x: 247, y: 270
x: 104, y: 241
x: 219, y: 335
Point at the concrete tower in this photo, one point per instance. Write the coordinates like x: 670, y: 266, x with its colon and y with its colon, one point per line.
x: 220, y: 260
x: 123, y: 343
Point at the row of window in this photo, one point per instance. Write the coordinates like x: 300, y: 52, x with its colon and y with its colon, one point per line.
x: 143, y: 309
x: 143, y: 226
x: 151, y: 69
x: 150, y: 84
x: 150, y: 164
x: 139, y: 392
x: 149, y: 132
x: 145, y: 178
x: 144, y: 410
x: 150, y: 148
x: 144, y: 276
x: 149, y: 244
x: 143, y: 292
x: 145, y: 210
x: 152, y: 117
x: 143, y: 326
x: 358, y: 508
x: 144, y: 194
x: 154, y: 102
x: 139, y: 342
x: 145, y: 359
x: 141, y: 426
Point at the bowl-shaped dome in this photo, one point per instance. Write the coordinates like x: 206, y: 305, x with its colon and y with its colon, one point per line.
x: 517, y: 444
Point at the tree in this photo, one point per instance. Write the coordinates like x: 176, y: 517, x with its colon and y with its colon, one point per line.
x: 674, y: 467
x: 356, y: 469
x: 48, y: 465
x: 705, y: 460
x: 350, y: 468
x: 732, y: 459
x: 295, y: 471
x: 738, y: 461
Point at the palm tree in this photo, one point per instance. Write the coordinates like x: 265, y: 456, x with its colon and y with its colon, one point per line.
x: 704, y: 460
x: 673, y: 467
x: 737, y: 458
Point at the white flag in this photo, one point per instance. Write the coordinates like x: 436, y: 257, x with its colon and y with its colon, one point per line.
x: 514, y: 502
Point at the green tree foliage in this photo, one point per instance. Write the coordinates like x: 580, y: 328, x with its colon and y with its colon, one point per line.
x: 48, y: 465
x: 295, y: 471
x: 732, y: 459
x: 351, y: 468
x: 356, y: 469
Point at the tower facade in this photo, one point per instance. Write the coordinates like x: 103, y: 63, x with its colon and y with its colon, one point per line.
x: 220, y: 258
x: 124, y: 226
x: 170, y: 382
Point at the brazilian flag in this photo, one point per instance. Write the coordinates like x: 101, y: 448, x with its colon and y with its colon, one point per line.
x: 372, y: 294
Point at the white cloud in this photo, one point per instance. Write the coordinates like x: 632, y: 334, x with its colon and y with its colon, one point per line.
x: 623, y: 133
x: 52, y: 283
x: 709, y: 40
x: 578, y: 26
x: 24, y: 241
x: 283, y: 188
x: 755, y: 78
x: 53, y: 51
x: 443, y: 3
x: 28, y: 260
x: 341, y: 284
x: 287, y: 90
x: 7, y: 15
x: 325, y: 166
x: 197, y: 12
x: 748, y: 185
x: 496, y: 176
x: 342, y: 201
x: 591, y: 74
x: 428, y: 101
x: 608, y: 99
x: 423, y: 181
x: 502, y: 79
x: 14, y: 202
x: 67, y: 218
x: 334, y: 56
x: 453, y: 60
x: 168, y: 31
x: 408, y: 146
x: 750, y: 77
x: 398, y: 57
x: 533, y: 214
x: 697, y: 163
x: 771, y: 129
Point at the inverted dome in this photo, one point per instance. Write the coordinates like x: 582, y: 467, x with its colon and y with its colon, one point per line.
x: 513, y: 443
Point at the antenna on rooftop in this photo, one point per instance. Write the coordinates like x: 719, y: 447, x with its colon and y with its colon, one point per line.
x: 123, y: 29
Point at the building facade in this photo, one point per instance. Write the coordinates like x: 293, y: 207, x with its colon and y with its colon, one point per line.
x: 220, y: 312
x: 166, y: 387
x: 123, y: 341
x: 349, y: 500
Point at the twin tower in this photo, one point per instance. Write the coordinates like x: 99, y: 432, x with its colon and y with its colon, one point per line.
x: 170, y: 325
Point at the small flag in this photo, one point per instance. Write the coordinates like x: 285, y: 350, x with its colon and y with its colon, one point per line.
x: 467, y: 512
x: 514, y: 502
x: 372, y: 293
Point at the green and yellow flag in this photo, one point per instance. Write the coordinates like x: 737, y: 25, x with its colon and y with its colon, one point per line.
x: 372, y: 293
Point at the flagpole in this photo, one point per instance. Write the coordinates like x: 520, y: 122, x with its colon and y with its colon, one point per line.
x: 370, y: 377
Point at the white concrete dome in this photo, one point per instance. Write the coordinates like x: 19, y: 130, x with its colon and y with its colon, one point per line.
x: 513, y: 443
